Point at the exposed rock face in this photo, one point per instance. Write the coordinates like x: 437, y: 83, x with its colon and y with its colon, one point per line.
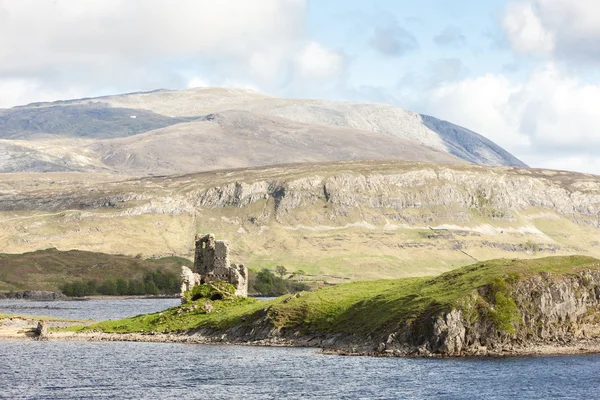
x: 292, y: 212
x: 548, y: 311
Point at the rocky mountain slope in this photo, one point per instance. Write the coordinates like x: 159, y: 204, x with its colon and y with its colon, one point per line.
x: 335, y: 221
x: 165, y: 132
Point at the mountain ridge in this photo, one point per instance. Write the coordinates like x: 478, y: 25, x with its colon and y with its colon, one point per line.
x: 104, y: 120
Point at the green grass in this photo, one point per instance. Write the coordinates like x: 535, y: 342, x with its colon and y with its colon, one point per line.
x: 360, y: 307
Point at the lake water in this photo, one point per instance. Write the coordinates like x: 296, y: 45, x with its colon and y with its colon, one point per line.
x: 81, y: 370
x: 95, y: 309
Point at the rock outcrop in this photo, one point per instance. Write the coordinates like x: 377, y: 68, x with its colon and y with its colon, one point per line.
x: 518, y: 316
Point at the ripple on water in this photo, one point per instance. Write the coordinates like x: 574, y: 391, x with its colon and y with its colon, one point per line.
x: 70, y: 370
x: 76, y: 370
x: 100, y: 309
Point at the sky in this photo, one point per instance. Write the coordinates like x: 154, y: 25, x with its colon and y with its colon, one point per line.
x: 524, y: 73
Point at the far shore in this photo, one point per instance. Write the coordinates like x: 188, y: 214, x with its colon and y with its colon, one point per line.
x: 115, y: 297
x: 97, y: 297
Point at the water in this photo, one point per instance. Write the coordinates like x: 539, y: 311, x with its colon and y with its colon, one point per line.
x: 95, y: 309
x: 75, y: 370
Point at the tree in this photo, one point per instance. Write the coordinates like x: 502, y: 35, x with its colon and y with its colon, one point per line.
x: 281, y: 270
x: 151, y: 288
x: 108, y: 287
x: 122, y: 287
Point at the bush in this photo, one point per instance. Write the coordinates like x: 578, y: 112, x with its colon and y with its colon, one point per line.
x: 267, y: 284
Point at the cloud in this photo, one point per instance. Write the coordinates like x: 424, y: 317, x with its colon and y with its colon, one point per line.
x: 560, y: 29
x: 447, y: 69
x: 550, y: 120
x: 450, y: 36
x: 102, y: 46
x: 316, y: 62
x: 393, y: 40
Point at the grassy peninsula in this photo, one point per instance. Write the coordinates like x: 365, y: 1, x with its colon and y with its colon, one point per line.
x: 487, y: 295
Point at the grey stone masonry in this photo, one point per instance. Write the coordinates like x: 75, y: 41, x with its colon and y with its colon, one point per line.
x: 211, y: 262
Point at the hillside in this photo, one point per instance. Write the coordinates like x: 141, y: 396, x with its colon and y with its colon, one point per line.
x: 336, y: 221
x: 497, y: 307
x: 49, y: 269
x: 167, y: 132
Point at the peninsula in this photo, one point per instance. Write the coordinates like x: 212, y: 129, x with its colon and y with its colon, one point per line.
x: 494, y: 308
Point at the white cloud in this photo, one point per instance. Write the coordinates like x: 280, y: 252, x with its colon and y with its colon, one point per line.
x: 197, y: 82
x: 564, y: 29
x: 318, y: 63
x: 526, y: 31
x: 23, y: 91
x: 550, y: 120
x: 63, y: 46
x: 106, y: 30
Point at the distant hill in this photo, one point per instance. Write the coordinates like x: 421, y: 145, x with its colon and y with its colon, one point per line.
x: 337, y: 220
x: 49, y: 269
x: 165, y: 132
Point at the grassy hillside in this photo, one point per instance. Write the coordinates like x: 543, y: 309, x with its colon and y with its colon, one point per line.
x: 362, y: 308
x: 362, y: 220
x: 49, y: 269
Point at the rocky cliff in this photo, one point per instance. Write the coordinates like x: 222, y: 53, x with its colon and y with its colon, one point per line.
x: 359, y: 220
x: 512, y: 314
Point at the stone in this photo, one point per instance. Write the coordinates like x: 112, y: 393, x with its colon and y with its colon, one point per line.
x: 189, y: 279
x: 211, y: 262
x: 208, y: 307
x: 41, y: 331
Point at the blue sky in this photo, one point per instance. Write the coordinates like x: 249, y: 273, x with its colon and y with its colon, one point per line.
x: 523, y: 73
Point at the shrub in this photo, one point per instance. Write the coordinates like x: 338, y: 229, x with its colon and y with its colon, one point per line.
x: 266, y: 283
x: 213, y: 291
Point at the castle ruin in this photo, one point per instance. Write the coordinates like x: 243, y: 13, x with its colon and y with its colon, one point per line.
x: 211, y: 264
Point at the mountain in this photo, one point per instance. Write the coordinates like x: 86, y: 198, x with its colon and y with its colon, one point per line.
x: 336, y: 221
x: 166, y: 132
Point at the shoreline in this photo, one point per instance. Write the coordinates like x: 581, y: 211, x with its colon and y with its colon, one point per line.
x: 22, y: 329
x: 98, y: 297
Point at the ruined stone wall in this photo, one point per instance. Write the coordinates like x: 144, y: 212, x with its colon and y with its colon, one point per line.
x: 211, y: 262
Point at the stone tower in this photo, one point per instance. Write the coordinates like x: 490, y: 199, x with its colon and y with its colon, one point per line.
x: 211, y: 262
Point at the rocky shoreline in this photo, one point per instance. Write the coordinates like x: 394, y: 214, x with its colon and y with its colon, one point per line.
x: 586, y: 346
x: 17, y: 328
